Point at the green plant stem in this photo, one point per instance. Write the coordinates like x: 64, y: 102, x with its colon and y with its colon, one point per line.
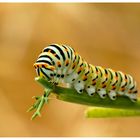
x: 70, y: 95
x: 120, y: 107
x: 99, y: 112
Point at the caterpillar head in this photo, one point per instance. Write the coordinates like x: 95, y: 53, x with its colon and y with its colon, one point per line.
x: 44, y: 70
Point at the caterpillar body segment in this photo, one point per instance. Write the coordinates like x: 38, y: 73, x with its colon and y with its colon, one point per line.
x: 62, y: 64
x: 92, y: 81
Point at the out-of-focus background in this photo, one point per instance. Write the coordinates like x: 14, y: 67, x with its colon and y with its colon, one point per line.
x: 104, y: 34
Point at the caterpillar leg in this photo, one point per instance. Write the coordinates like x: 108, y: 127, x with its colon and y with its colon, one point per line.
x: 90, y: 90
x: 132, y: 96
x: 79, y: 86
x: 112, y: 95
x: 102, y: 93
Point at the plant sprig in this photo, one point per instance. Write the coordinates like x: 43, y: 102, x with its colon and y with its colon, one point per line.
x: 40, y: 101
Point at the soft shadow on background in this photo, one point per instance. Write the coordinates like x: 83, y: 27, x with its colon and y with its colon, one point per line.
x: 104, y: 34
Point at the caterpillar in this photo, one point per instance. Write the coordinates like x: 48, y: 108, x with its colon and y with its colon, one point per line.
x: 62, y: 64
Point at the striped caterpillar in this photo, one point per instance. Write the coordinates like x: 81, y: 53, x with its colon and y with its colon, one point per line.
x: 62, y: 64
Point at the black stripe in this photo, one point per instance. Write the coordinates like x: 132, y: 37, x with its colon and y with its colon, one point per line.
x: 124, y: 85
x: 96, y: 69
x: 47, y: 56
x: 81, y: 65
x: 129, y: 80
x: 121, y: 77
x: 85, y: 79
x: 115, y: 83
x: 94, y: 84
x: 52, y: 51
x: 79, y: 72
x: 135, y: 91
x: 73, y: 67
x: 132, y: 87
x: 38, y: 71
x: 116, y: 74
x: 125, y: 76
x: 78, y: 59
x: 71, y: 53
x: 72, y: 49
x: 61, y: 51
x: 95, y: 78
x: 106, y: 71
x: 111, y: 74
x: 45, y: 61
x: 87, y: 73
x: 92, y: 70
x: 74, y: 58
x: 103, y: 81
x: 45, y: 74
x: 64, y: 46
x: 68, y: 54
x: 46, y: 68
x: 67, y: 51
x: 101, y: 72
x: 104, y: 86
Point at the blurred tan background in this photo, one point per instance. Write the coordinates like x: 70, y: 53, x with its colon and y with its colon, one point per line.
x: 104, y: 34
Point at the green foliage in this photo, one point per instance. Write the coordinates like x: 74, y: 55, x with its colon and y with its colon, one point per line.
x: 121, y: 104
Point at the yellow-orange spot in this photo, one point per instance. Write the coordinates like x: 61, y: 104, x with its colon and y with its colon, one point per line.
x: 85, y: 77
x: 80, y: 69
x: 45, y: 65
x: 73, y: 65
x: 106, y: 75
x: 113, y: 87
x: 116, y: 77
x: 49, y: 51
x: 52, y: 68
x: 103, y: 85
x: 93, y: 82
x: 58, y: 63
x: 40, y: 65
x: 122, y: 89
x: 67, y: 61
